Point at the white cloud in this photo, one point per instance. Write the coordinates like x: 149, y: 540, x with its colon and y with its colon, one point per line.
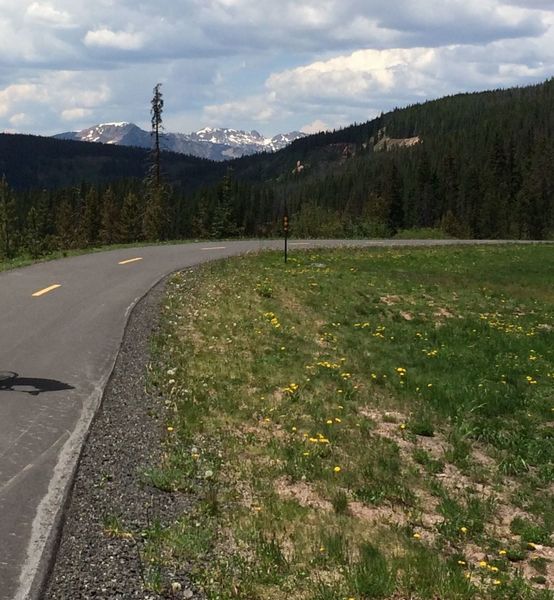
x: 332, y: 61
x: 76, y: 114
x: 315, y: 127
x: 46, y: 13
x: 120, y: 40
x: 19, y: 119
x: 257, y: 108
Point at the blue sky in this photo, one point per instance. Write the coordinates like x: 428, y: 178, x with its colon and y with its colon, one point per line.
x: 269, y: 65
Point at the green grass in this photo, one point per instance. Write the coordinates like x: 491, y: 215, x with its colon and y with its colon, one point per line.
x: 362, y: 424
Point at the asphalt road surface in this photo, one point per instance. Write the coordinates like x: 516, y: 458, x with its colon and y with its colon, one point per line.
x: 61, y: 326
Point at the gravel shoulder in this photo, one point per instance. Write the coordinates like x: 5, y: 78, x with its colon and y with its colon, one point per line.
x: 99, y: 553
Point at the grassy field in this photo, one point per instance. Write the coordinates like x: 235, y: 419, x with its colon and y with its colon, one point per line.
x: 360, y: 424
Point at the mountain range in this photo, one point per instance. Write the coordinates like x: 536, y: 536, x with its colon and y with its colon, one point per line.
x: 211, y: 143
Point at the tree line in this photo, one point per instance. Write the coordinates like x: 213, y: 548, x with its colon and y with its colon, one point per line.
x: 484, y: 168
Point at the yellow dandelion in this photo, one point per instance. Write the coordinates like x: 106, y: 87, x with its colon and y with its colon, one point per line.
x: 483, y: 563
x: 496, y: 582
x: 170, y: 429
x: 337, y: 469
x: 463, y: 529
x: 502, y: 552
x: 417, y: 536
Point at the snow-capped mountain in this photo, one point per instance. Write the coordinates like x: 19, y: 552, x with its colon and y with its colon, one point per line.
x: 215, y: 144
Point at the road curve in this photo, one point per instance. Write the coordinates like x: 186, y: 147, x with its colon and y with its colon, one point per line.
x: 61, y: 326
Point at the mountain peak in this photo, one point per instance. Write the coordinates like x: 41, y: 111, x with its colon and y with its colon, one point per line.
x: 209, y: 142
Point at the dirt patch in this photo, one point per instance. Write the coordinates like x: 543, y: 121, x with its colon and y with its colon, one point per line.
x: 390, y: 300
x: 303, y: 493
x: 377, y: 514
x: 444, y: 313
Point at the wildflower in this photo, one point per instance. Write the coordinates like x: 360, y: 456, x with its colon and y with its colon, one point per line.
x: 483, y: 564
x: 170, y: 429
x: 337, y: 420
x: 417, y: 536
x: 496, y: 582
x: 502, y: 552
x: 463, y: 529
x: 329, y: 421
x: 402, y: 426
x: 337, y: 469
x: 461, y: 562
x: 294, y: 429
x: 493, y: 569
x: 305, y: 454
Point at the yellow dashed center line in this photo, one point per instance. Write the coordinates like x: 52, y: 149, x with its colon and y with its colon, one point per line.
x: 46, y: 290
x: 130, y: 260
x: 215, y: 248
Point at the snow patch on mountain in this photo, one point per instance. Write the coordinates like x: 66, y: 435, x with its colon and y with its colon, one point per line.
x: 209, y: 142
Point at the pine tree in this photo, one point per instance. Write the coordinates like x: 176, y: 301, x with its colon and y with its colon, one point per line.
x: 110, y: 218
x: 35, y: 232
x: 8, y: 220
x: 65, y: 224
x: 130, y: 224
x: 154, y: 223
x: 91, y: 218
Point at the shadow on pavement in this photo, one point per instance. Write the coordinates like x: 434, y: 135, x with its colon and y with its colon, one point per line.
x: 12, y: 382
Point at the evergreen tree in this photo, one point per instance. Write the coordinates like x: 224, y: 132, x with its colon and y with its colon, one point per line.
x: 130, y: 226
x: 35, y: 232
x: 154, y: 219
x: 8, y: 220
x: 110, y: 218
x: 91, y: 218
x: 65, y: 224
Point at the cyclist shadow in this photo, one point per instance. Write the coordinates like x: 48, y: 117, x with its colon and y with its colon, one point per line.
x: 12, y: 382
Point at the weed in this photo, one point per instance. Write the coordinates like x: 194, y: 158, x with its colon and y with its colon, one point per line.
x: 340, y: 502
x: 372, y: 576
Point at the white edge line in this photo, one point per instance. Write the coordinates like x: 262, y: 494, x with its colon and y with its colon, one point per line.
x: 215, y: 248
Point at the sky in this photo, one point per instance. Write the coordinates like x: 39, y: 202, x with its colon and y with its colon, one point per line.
x: 270, y: 65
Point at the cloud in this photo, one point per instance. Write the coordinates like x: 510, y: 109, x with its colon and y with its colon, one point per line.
x: 47, y: 14
x: 75, y: 114
x: 361, y: 84
x: 19, y: 119
x: 63, y: 95
x: 120, y: 40
x: 315, y: 127
x: 246, y: 63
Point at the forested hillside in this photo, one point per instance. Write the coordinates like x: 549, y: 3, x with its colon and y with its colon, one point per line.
x: 477, y: 165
